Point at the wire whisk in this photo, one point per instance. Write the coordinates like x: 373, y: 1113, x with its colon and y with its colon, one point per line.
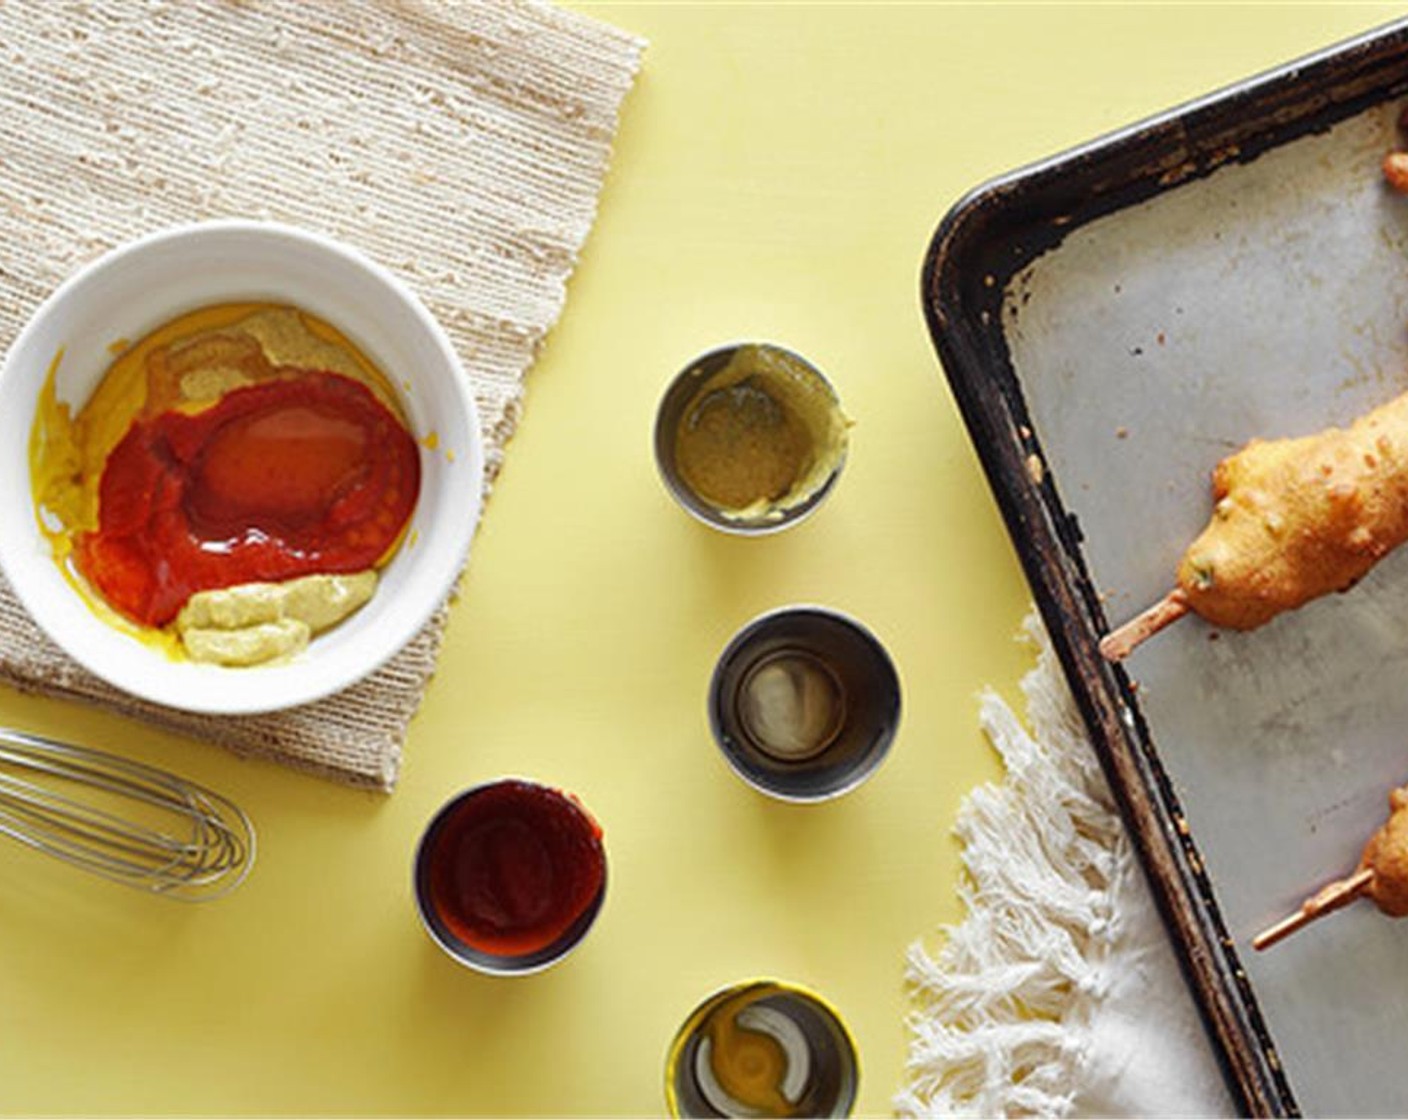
x: 123, y: 820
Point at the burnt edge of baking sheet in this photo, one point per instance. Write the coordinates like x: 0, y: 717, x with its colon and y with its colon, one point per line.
x: 983, y: 242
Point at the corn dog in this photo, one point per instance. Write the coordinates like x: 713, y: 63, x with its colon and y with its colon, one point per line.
x: 1382, y: 876
x: 1293, y: 519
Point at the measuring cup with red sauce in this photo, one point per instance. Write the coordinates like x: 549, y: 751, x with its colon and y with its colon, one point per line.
x: 510, y: 875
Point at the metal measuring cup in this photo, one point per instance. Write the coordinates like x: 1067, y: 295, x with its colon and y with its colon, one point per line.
x: 819, y: 1074
x: 797, y: 386
x: 804, y: 703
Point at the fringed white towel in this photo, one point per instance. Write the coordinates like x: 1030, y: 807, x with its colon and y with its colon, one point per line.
x: 1058, y: 995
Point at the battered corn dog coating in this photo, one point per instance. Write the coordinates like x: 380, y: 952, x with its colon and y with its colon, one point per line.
x: 1386, y: 855
x: 1295, y: 519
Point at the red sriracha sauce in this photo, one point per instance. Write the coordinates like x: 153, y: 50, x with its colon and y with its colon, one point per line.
x: 309, y: 473
x: 512, y: 866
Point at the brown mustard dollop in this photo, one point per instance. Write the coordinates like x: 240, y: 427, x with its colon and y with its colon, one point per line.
x: 738, y: 446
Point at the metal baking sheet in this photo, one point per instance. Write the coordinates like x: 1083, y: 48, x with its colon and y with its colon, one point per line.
x: 1113, y: 323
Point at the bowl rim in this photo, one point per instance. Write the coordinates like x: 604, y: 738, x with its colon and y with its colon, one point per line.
x: 282, y: 686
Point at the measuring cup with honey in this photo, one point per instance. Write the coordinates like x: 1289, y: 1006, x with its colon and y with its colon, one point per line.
x: 762, y: 1048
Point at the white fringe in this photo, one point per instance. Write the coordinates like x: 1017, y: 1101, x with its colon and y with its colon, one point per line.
x: 1002, y: 1019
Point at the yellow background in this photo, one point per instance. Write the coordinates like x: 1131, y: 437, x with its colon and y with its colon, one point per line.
x: 779, y: 172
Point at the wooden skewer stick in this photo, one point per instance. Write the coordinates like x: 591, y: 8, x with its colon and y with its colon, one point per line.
x: 1119, y: 643
x: 1339, y: 893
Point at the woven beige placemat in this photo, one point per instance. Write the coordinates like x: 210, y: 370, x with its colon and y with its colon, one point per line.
x: 463, y: 145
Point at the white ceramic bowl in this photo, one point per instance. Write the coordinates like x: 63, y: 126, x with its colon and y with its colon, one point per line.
x: 140, y: 286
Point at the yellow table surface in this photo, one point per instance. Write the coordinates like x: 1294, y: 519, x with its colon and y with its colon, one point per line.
x: 779, y: 172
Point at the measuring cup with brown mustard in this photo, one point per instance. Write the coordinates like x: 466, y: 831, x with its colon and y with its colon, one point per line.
x: 750, y: 438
